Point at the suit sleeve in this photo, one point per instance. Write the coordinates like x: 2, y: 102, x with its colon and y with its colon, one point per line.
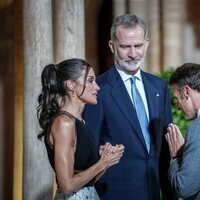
x: 167, y: 191
x: 184, y: 174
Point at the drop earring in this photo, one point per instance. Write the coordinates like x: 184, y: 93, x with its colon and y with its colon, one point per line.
x: 73, y: 93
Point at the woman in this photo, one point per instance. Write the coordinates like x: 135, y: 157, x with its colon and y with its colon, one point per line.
x: 77, y: 160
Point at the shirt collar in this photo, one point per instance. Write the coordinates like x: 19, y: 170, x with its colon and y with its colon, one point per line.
x: 198, y: 113
x: 125, y: 76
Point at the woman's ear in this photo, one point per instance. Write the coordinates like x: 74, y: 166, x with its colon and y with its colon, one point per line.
x: 70, y: 85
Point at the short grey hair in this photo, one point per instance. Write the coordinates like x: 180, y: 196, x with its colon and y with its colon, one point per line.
x: 128, y: 21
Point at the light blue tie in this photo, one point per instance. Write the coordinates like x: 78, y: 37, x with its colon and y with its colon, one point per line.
x: 141, y: 113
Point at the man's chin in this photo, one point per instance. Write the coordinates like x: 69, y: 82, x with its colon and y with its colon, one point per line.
x: 132, y: 67
x: 128, y: 66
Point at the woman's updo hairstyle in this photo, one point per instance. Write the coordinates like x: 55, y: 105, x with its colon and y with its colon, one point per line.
x: 53, y: 80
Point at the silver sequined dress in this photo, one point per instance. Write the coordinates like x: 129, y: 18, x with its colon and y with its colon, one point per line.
x: 86, y: 193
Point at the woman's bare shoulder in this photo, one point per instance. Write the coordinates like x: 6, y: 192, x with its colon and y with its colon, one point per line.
x: 63, y: 125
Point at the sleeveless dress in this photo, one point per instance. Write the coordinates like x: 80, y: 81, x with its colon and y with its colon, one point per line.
x: 86, y: 155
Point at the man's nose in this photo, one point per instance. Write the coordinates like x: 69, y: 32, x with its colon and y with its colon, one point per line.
x: 132, y: 52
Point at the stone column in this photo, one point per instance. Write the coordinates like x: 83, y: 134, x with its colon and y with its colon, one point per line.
x: 69, y: 29
x: 38, y: 52
x: 172, y: 32
x: 154, y: 50
x: 139, y: 8
x: 18, y: 102
x: 119, y: 8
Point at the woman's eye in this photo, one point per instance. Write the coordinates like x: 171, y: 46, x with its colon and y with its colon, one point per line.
x: 90, y: 80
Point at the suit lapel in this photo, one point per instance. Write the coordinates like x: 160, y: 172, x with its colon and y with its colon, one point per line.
x: 153, y: 101
x: 152, y: 96
x: 122, y: 99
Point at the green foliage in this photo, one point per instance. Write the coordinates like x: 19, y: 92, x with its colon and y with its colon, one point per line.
x: 178, y: 117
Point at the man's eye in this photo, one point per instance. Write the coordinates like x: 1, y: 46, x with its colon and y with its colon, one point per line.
x: 124, y: 47
x: 139, y: 46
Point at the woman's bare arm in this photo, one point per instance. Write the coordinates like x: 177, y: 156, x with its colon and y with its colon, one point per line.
x: 64, y: 138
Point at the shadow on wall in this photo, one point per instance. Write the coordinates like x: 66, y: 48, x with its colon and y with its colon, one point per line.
x: 105, y: 19
x: 6, y: 100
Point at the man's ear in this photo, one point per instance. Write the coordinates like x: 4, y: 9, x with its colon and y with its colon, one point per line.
x: 186, y: 90
x: 110, y: 44
x: 147, y: 43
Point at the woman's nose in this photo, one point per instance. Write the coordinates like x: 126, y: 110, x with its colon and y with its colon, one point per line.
x: 97, y: 87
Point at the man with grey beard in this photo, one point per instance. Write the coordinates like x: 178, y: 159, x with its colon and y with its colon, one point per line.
x: 133, y: 109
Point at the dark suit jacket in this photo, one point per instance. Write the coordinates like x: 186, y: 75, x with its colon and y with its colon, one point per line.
x: 184, y: 172
x: 114, y: 120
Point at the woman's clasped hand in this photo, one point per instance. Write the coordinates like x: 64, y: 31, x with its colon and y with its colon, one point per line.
x: 110, y: 155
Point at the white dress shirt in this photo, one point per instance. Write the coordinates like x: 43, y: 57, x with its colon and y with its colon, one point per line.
x: 139, y: 84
